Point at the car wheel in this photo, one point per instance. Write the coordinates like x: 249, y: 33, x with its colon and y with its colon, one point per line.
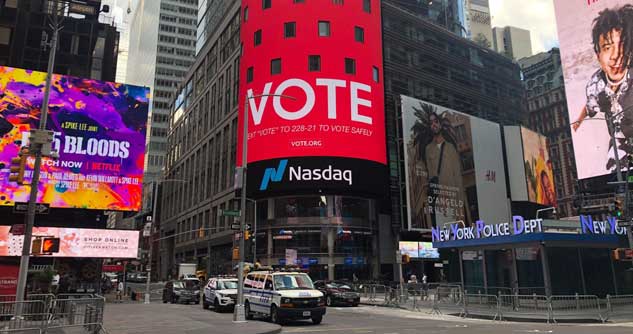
x: 317, y: 320
x: 247, y: 311
x: 328, y: 301
x: 355, y: 305
x: 274, y: 315
x: 216, y: 305
x: 205, y: 305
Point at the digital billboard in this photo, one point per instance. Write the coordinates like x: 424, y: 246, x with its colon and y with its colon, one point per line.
x: 538, y: 168
x: 454, y: 167
x: 529, y: 166
x: 418, y: 250
x: 315, y: 98
x: 99, y: 132
x: 77, y: 242
x: 596, y: 59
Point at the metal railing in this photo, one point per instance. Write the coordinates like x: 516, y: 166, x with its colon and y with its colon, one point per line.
x: 525, y: 306
x: 577, y: 306
x: 619, y: 305
x: 43, y: 313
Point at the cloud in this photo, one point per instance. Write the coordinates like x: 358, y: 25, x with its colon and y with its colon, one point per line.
x: 537, y: 16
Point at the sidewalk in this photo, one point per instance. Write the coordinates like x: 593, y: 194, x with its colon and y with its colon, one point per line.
x: 159, y: 318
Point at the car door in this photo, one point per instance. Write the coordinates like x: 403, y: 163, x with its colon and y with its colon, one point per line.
x: 213, y: 286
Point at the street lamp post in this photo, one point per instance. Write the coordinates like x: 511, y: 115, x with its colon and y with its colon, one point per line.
x: 151, y: 234
x: 239, y: 314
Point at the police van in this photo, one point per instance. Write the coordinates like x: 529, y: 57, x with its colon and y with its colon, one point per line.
x: 282, y: 296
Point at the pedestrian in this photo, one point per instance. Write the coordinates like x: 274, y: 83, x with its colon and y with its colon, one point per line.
x: 119, y: 292
x: 413, y: 279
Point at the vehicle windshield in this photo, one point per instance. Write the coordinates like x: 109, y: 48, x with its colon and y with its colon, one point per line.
x: 293, y: 282
x: 339, y: 285
x: 224, y: 285
x: 189, y: 285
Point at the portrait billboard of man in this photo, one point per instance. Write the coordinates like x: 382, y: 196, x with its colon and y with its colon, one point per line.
x: 596, y: 40
x: 454, y: 166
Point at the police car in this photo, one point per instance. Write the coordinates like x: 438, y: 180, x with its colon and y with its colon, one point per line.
x: 221, y: 292
x: 282, y: 296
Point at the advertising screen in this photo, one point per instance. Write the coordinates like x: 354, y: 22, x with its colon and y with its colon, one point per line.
x: 77, y: 242
x: 315, y: 97
x: 454, y: 166
x: 409, y: 248
x: 426, y: 251
x: 538, y: 169
x: 99, y: 132
x: 8, y: 279
x: 596, y: 58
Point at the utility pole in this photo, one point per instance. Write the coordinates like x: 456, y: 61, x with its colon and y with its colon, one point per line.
x: 151, y: 242
x: 36, y: 147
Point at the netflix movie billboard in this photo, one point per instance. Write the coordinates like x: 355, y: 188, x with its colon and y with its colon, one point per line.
x: 315, y: 98
x: 99, y: 133
x: 596, y: 56
x: 77, y: 242
x: 453, y: 167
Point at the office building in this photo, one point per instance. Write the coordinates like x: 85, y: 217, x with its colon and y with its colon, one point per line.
x: 479, y: 23
x: 349, y: 230
x: 512, y: 42
x: 87, y: 48
x: 161, y: 50
x: 547, y: 114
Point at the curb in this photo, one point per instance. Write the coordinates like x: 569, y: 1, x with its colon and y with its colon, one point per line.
x: 274, y: 331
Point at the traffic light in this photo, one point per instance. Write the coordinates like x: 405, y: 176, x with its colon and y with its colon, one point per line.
x: 617, y: 207
x: 17, y: 167
x: 406, y: 258
x: 50, y: 245
x: 36, y: 246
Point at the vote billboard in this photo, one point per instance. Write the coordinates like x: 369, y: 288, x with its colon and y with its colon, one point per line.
x: 77, y: 242
x: 315, y: 98
x: 454, y: 168
x: 596, y: 53
x: 99, y: 133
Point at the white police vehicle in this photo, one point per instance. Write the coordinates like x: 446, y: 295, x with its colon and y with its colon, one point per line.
x: 221, y: 292
x: 282, y: 296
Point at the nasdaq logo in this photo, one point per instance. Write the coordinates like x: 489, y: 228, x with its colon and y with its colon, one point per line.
x: 274, y: 175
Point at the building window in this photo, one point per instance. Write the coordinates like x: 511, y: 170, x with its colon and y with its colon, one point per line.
x: 245, y: 14
x: 376, y: 74
x: 257, y: 38
x: 249, y: 74
x: 266, y: 4
x: 290, y: 29
x: 5, y: 35
x: 367, y: 6
x: 350, y: 66
x: 275, y: 66
x: 314, y: 63
x: 359, y: 34
x: 324, y: 28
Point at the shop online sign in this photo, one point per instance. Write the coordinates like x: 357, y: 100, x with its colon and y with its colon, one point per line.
x: 610, y: 226
x: 481, y: 230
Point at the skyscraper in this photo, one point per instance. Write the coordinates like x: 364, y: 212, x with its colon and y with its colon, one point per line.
x: 479, y: 22
x: 162, y: 44
x: 512, y: 42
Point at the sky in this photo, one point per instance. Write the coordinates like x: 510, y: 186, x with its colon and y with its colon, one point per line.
x: 537, y: 16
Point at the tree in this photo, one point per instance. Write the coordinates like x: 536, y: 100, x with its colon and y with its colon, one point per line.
x: 481, y: 40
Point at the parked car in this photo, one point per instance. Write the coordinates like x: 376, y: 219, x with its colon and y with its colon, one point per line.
x: 221, y: 292
x: 141, y: 278
x: 181, y: 292
x: 338, y: 292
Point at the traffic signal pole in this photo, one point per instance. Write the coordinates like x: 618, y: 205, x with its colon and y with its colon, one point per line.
x: 36, y: 149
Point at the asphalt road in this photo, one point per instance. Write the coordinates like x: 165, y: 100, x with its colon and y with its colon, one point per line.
x: 380, y: 320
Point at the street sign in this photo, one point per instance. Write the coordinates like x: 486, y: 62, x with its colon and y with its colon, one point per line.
x: 231, y: 213
x: 40, y: 208
x: 235, y: 227
x: 17, y: 229
x: 624, y: 223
